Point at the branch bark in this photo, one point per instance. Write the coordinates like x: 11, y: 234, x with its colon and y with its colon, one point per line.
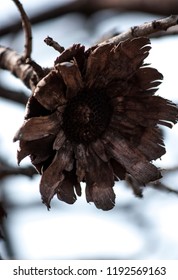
x: 144, y: 30
x: 13, y: 62
x: 27, y: 30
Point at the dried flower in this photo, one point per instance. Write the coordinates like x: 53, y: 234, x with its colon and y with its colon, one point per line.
x: 94, y: 118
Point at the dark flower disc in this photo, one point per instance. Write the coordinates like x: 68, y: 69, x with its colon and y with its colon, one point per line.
x: 86, y: 117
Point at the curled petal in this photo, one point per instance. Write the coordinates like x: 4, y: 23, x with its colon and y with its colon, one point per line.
x: 75, y: 51
x: 71, y: 76
x: 38, y: 127
x: 41, y: 149
x: 53, y: 176
x: 99, y: 182
x: 65, y: 191
x: 50, y: 91
x: 131, y: 159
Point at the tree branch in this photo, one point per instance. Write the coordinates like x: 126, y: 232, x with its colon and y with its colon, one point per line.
x: 16, y: 96
x: 7, y: 170
x: 27, y: 30
x: 13, y: 62
x: 144, y: 30
x: 162, y: 187
x: 55, y: 45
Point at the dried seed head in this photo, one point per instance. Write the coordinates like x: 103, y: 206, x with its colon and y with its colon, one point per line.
x: 94, y: 118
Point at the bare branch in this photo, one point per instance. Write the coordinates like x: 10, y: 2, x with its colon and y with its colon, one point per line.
x: 144, y: 30
x: 27, y: 30
x: 7, y: 170
x: 17, y: 96
x: 162, y: 187
x: 50, y: 42
x: 13, y: 62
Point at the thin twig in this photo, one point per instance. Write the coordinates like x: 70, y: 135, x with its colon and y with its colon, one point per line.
x: 27, y: 30
x: 162, y: 187
x: 7, y: 170
x: 50, y: 42
x: 145, y: 29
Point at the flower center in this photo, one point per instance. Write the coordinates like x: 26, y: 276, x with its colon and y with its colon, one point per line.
x: 86, y: 117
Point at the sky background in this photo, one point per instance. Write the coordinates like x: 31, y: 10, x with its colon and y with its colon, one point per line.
x: 136, y: 228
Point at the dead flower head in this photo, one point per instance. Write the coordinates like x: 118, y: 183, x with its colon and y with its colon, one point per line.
x: 93, y: 118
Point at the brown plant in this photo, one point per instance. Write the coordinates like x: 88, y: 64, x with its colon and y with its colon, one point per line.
x: 94, y: 118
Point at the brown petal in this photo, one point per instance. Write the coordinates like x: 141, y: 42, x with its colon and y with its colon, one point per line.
x: 38, y: 127
x: 130, y: 158
x: 50, y: 91
x: 118, y: 169
x: 108, y: 63
x: 65, y: 191
x: 99, y: 182
x: 103, y: 198
x: 76, y: 51
x: 148, y: 78
x: 71, y: 76
x: 81, y: 161
x: 151, y: 144
x: 157, y: 109
x: 41, y: 149
x: 99, y: 149
x: 53, y: 176
x: 59, y: 141
x: 136, y: 50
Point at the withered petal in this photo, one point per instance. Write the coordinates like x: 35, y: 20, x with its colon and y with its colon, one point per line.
x: 75, y: 51
x: 118, y: 170
x: 41, y: 148
x: 99, y: 149
x: 151, y: 144
x: 65, y: 191
x: 136, y: 49
x: 130, y: 158
x: 157, y: 109
x: 111, y: 62
x: 81, y: 161
x: 59, y: 140
x: 99, y: 182
x: 72, y: 77
x: 50, y: 91
x: 103, y: 198
x: 53, y: 176
x: 148, y: 78
x: 96, y: 65
x: 38, y: 127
